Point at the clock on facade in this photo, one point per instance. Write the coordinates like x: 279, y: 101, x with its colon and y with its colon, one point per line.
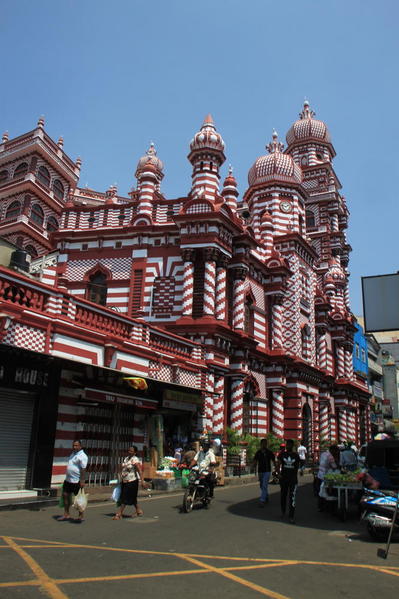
x: 285, y: 207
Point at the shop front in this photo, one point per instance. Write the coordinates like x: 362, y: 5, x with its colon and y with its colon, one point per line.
x: 28, y: 412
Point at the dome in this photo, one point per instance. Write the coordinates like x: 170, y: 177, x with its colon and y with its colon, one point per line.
x: 207, y: 137
x: 308, y: 127
x: 275, y: 165
x: 152, y: 159
x: 335, y: 273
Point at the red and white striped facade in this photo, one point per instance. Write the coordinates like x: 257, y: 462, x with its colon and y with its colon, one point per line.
x: 257, y: 285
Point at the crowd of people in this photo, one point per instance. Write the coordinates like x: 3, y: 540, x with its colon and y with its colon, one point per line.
x: 285, y: 466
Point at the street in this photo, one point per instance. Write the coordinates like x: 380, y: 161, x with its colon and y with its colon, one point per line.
x: 234, y: 549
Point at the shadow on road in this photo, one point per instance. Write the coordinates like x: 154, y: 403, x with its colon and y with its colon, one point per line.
x: 306, y: 513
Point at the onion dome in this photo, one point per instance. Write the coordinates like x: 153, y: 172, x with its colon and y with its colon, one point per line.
x: 207, y: 137
x: 150, y: 159
x: 275, y: 166
x: 307, y: 127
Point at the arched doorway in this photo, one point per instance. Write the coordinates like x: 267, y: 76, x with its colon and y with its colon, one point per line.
x: 307, y: 433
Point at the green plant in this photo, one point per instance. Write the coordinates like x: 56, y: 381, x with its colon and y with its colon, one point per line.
x: 274, y: 442
x: 233, y: 439
x: 253, y: 444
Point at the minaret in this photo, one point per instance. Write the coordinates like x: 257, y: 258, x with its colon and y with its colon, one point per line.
x: 230, y: 191
x: 206, y: 156
x: 149, y: 174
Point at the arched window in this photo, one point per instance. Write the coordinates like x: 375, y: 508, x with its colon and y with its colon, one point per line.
x: 32, y: 251
x: 97, y: 288
x: 249, y: 316
x: 310, y: 219
x: 13, y: 210
x: 21, y: 169
x: 58, y: 189
x: 52, y: 224
x: 44, y: 176
x: 3, y: 176
x: 37, y: 214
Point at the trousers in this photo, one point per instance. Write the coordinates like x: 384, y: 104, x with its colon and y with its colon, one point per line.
x: 263, y: 483
x: 288, y: 490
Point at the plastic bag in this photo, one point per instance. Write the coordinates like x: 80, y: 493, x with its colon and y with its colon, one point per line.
x: 116, y: 493
x: 80, y: 502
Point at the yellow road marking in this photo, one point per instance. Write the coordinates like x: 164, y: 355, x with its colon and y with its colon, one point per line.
x: 44, y: 580
x: 19, y: 583
x: 242, y: 581
x: 129, y: 576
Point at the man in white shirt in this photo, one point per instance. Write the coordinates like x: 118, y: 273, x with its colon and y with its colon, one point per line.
x: 206, y: 462
x: 74, y: 478
x: 302, y: 451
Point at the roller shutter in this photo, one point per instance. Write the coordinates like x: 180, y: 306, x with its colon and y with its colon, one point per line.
x: 16, y: 416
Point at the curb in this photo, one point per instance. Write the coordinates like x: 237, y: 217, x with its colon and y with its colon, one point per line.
x: 104, y: 494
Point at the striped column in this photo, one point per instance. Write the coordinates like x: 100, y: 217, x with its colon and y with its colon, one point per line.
x: 220, y: 311
x: 278, y: 413
x: 209, y: 286
x: 147, y: 183
x: 218, y: 406
x: 348, y: 364
x: 351, y: 426
x: 188, y: 286
x: 277, y: 321
x: 333, y: 427
x: 322, y: 350
x: 324, y: 421
x: 236, y: 406
x: 238, y: 303
x: 210, y: 382
x: 342, y: 426
x: 266, y: 232
x: 340, y: 362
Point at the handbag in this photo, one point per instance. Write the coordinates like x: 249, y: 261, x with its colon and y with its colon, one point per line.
x: 116, y: 493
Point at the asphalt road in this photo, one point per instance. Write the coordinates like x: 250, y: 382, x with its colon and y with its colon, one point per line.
x: 235, y: 549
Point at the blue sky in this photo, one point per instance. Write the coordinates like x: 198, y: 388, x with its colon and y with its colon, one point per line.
x: 111, y: 77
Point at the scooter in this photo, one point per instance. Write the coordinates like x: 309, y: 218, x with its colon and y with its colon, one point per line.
x: 379, y: 511
x: 197, y: 492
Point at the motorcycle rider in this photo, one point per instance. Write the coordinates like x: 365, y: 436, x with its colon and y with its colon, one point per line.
x: 205, y: 459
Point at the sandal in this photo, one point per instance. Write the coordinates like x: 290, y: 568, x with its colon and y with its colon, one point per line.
x: 116, y: 517
x: 139, y: 513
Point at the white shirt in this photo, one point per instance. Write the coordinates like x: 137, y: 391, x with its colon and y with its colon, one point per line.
x: 302, y: 451
x: 76, y: 463
x: 208, y: 459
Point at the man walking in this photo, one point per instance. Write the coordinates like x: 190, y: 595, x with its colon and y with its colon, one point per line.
x: 288, y: 469
x: 263, y: 459
x: 302, y: 451
x: 74, y: 479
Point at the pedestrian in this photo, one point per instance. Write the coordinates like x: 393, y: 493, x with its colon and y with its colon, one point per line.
x: 74, y: 479
x: 302, y: 451
x: 288, y: 469
x: 348, y: 458
x: 329, y: 460
x: 263, y: 459
x: 130, y: 477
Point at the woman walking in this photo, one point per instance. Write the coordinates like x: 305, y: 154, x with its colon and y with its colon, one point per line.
x: 130, y: 479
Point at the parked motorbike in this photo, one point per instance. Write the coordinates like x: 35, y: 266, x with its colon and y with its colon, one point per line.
x: 378, y: 509
x: 197, y: 492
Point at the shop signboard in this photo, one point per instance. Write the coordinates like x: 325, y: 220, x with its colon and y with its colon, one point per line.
x: 23, y: 377
x: 179, y: 405
x: 181, y: 396
x: 118, y: 398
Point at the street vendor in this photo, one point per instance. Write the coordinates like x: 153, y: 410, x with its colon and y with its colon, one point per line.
x: 329, y: 460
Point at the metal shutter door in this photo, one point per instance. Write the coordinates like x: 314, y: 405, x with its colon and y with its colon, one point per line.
x: 16, y: 415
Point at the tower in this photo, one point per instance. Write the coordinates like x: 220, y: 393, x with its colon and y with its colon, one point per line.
x: 206, y: 156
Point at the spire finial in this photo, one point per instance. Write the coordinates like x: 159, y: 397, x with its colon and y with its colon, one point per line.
x: 208, y: 121
x: 307, y: 112
x: 230, y: 170
x: 40, y: 122
x: 275, y: 145
x: 60, y: 142
x: 78, y: 162
x: 5, y: 137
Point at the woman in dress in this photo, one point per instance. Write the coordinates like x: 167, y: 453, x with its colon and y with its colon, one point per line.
x: 130, y: 479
